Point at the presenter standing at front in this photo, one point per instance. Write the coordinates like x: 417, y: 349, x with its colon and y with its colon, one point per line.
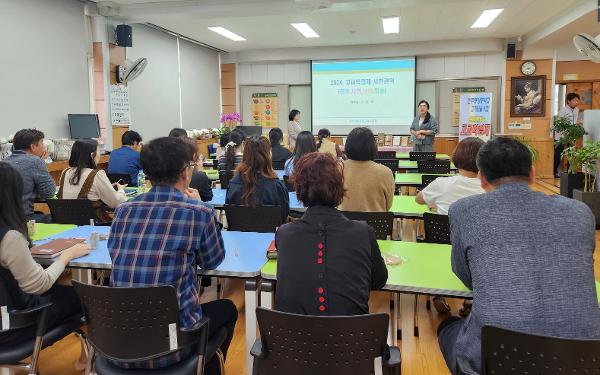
x: 294, y: 127
x: 424, y: 128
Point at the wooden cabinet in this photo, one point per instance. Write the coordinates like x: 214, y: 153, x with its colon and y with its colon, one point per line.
x: 117, y: 133
x: 56, y: 167
x: 445, y: 145
x: 203, y: 145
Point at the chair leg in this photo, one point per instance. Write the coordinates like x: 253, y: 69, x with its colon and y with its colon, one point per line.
x: 37, y: 348
x: 416, y: 316
x: 428, y: 303
x: 200, y: 365
x: 220, y: 288
x: 79, y: 364
x: 221, y: 358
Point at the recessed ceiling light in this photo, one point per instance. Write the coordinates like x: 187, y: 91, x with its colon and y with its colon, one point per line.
x: 486, y: 17
x: 226, y: 33
x: 391, y: 25
x: 305, y: 30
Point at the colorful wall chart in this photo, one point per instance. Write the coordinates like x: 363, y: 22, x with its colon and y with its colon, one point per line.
x: 475, y: 116
x: 265, y: 109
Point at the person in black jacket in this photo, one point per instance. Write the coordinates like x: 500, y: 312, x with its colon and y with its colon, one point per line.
x: 326, y: 264
x: 279, y: 154
x: 200, y: 180
x: 256, y: 183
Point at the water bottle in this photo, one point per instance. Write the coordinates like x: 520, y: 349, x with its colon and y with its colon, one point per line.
x: 141, y: 181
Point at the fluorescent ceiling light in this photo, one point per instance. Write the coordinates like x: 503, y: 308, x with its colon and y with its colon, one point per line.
x: 486, y: 17
x: 226, y: 33
x: 391, y: 25
x: 305, y: 30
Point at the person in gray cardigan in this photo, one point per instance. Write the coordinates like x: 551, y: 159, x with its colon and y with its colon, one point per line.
x: 424, y: 128
x: 527, y: 256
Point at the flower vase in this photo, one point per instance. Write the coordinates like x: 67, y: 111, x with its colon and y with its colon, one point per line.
x: 62, y: 149
x: 5, y: 150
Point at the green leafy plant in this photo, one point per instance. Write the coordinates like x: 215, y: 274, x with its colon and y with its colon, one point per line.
x: 569, y: 132
x: 527, y: 143
x: 585, y: 158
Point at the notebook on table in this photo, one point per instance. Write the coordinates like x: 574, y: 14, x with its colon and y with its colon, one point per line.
x: 55, y: 247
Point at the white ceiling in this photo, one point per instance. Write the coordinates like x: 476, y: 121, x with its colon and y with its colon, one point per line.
x: 266, y: 23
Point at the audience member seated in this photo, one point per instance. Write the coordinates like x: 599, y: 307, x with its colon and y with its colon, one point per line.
x: 326, y: 264
x: 527, y: 256
x: 256, y: 183
x: 126, y: 159
x: 305, y: 143
x: 325, y: 144
x: 233, y: 151
x: 369, y: 185
x: 28, y: 283
x: 444, y: 191
x: 163, y: 236
x: 279, y: 153
x: 223, y: 141
x: 83, y: 180
x: 200, y: 180
x: 27, y: 158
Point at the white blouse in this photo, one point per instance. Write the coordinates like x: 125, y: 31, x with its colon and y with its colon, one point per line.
x: 101, y: 189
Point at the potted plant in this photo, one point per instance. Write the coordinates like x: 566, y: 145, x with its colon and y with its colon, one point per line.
x: 587, y: 158
x: 570, y: 133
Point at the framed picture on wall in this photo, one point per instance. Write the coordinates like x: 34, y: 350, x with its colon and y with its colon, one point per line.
x: 528, y: 96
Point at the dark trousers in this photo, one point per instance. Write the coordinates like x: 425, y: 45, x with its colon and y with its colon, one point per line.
x: 558, y: 150
x: 222, y: 314
x: 447, y: 334
x: 65, y: 304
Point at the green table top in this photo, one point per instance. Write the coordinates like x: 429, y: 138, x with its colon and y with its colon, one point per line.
x: 411, y: 179
x: 406, y: 206
x: 212, y: 174
x: 410, y: 164
x: 46, y: 230
x: 404, y: 155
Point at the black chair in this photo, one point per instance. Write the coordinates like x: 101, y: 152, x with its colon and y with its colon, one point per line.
x: 288, y: 184
x: 131, y: 325
x: 278, y: 165
x: 381, y: 222
x: 386, y: 155
x: 224, y: 178
x: 421, y: 155
x: 73, y: 211
x: 437, y: 228
x: 426, y: 179
x: 294, y: 344
x: 21, y: 322
x: 504, y: 351
x: 115, y: 177
x: 390, y: 163
x: 434, y: 166
x: 262, y: 219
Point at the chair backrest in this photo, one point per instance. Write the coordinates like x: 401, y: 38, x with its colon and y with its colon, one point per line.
x: 115, y: 177
x: 278, y: 165
x: 71, y: 211
x: 224, y: 178
x: 319, y: 345
x: 262, y: 219
x: 10, y: 292
x: 390, y: 163
x: 524, y: 353
x: 434, y: 166
x: 421, y: 155
x: 130, y: 323
x: 381, y: 222
x: 426, y: 179
x: 386, y: 155
x: 437, y: 228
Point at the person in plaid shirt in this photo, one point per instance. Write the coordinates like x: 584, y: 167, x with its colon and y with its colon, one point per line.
x: 161, y: 237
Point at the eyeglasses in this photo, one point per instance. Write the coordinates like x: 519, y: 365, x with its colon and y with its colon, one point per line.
x: 192, y: 164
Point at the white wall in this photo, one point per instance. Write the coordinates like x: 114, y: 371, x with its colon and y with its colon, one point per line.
x: 43, y: 65
x: 180, y: 86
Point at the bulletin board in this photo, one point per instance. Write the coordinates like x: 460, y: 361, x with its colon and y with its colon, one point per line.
x: 247, y: 105
x: 265, y: 109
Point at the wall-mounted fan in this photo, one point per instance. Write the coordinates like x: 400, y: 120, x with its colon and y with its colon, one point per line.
x: 131, y: 70
x: 588, y: 46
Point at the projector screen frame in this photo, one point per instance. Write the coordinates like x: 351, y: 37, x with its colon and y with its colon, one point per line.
x: 312, y: 126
